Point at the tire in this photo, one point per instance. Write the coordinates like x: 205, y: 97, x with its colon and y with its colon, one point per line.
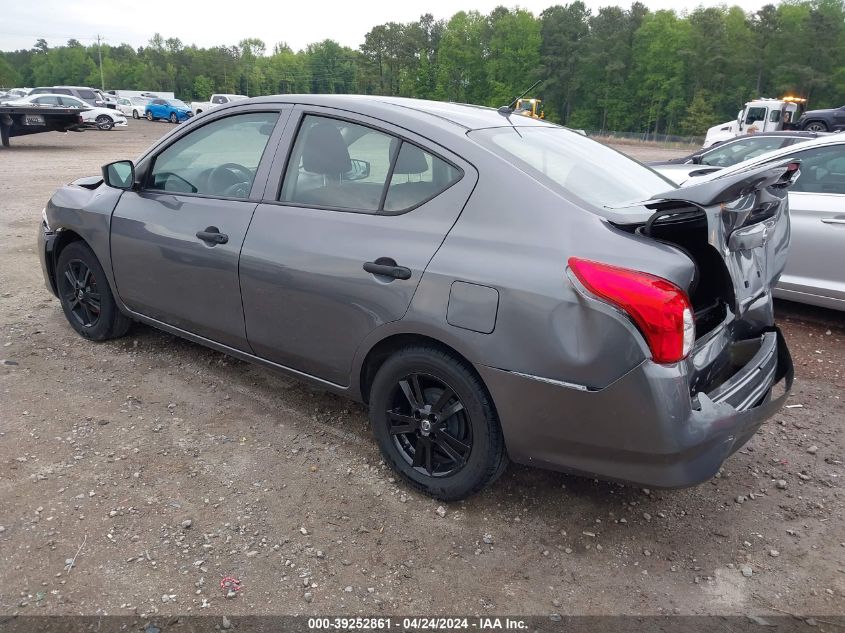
x: 150, y: 116
x: 173, y: 118
x: 104, y: 122
x: 450, y: 447
x: 78, y: 265
x: 197, y: 112
x: 135, y: 115
x: 816, y: 126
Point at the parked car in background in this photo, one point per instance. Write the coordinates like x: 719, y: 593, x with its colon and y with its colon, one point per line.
x: 830, y: 120
x: 136, y: 107
x: 173, y: 110
x: 382, y: 250
x: 740, y: 149
x: 101, y: 118
x: 815, y: 268
x: 710, y: 159
x: 216, y: 99
x: 91, y: 96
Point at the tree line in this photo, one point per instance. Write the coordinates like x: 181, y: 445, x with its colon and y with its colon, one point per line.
x: 627, y: 69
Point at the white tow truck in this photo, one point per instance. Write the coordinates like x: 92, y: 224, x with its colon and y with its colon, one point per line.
x: 216, y: 100
x: 760, y: 115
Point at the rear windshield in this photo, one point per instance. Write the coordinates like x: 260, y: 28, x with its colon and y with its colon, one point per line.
x: 574, y: 164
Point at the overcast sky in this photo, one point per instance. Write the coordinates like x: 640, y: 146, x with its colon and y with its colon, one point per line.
x: 212, y: 22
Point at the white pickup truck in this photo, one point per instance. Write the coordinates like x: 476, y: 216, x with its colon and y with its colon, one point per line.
x: 216, y: 100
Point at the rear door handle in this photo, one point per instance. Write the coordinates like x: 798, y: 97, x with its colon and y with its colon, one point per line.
x: 387, y: 267
x: 212, y: 236
x: 833, y: 220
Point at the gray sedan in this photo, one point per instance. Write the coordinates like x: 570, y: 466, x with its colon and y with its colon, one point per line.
x: 815, y: 269
x: 493, y: 287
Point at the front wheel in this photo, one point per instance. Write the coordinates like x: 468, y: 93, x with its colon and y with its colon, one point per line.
x: 104, y: 122
x: 173, y: 118
x: 135, y: 114
x: 435, y: 423
x: 816, y: 126
x: 85, y: 295
x: 150, y: 116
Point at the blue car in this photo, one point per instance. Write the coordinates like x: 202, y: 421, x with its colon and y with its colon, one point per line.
x: 171, y: 109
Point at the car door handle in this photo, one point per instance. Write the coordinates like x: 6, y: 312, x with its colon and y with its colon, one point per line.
x: 212, y: 236
x: 387, y: 267
x: 833, y: 220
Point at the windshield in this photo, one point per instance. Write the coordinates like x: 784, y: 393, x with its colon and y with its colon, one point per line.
x: 574, y: 164
x: 177, y: 103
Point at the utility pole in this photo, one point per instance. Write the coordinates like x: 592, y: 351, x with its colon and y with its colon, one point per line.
x: 100, y: 56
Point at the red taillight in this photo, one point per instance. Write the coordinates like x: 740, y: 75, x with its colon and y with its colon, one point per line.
x: 660, y: 309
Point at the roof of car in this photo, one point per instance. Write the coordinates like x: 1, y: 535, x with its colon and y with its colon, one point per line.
x: 467, y: 116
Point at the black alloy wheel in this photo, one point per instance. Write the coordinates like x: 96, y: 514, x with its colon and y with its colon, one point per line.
x: 79, y: 289
x: 85, y: 295
x: 429, y: 425
x: 435, y: 422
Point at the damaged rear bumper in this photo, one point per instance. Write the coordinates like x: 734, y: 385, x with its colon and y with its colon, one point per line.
x: 644, y: 428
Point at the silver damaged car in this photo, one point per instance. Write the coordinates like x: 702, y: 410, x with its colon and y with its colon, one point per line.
x: 494, y: 287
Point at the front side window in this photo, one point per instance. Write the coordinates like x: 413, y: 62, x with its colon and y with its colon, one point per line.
x: 738, y: 151
x: 87, y: 94
x: 47, y: 101
x: 342, y: 165
x: 822, y: 170
x: 218, y: 159
x: 62, y: 91
x: 754, y: 115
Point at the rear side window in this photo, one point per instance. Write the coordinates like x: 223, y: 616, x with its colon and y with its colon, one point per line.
x: 61, y: 91
x: 341, y: 165
x: 417, y: 176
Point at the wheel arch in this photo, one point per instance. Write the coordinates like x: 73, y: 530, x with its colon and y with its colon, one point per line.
x: 387, y: 346
x: 63, y: 239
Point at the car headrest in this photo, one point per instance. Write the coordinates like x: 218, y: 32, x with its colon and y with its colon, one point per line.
x: 325, y: 152
x: 411, y: 160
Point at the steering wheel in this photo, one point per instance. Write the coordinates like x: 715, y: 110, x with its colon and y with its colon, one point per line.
x: 230, y: 179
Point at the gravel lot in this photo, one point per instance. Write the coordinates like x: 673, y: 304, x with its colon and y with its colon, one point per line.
x: 162, y: 467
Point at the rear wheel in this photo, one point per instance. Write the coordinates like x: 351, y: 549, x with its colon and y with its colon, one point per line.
x: 86, y: 297
x: 104, y: 122
x: 150, y: 116
x: 173, y: 118
x: 435, y: 423
x: 816, y: 126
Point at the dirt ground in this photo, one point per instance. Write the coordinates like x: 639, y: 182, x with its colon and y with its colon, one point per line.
x: 162, y: 467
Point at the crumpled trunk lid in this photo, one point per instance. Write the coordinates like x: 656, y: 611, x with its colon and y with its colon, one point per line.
x: 747, y: 224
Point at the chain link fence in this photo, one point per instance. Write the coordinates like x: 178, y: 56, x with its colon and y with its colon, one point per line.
x: 648, y: 137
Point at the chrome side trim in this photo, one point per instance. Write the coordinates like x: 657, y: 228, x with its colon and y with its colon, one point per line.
x: 551, y: 381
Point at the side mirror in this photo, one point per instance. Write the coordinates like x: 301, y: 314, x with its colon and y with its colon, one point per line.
x: 360, y: 170
x: 119, y: 174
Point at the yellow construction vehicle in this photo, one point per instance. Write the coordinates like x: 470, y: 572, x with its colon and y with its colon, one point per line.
x: 530, y: 107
